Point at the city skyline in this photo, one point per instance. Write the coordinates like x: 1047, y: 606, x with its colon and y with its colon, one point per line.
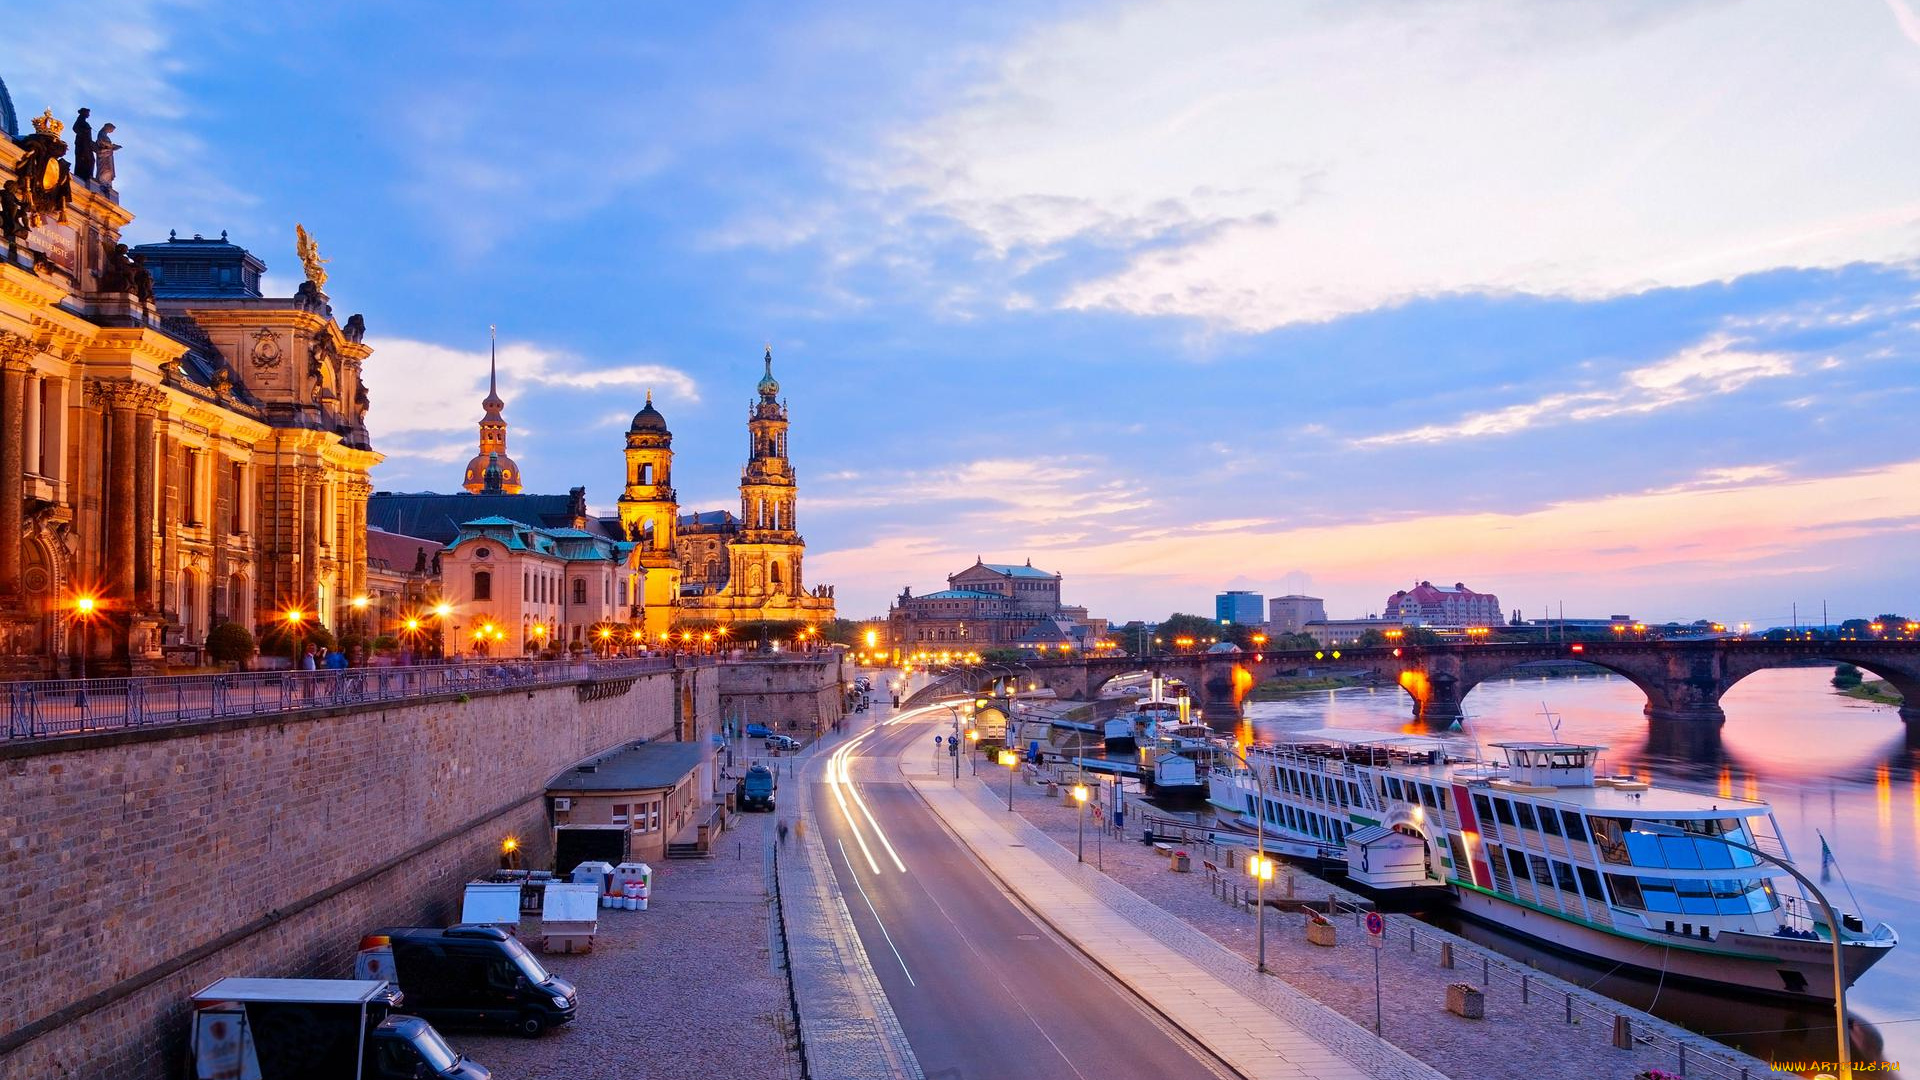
x: 1141, y: 297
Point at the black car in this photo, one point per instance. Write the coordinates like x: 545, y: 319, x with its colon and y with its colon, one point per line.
x: 473, y: 976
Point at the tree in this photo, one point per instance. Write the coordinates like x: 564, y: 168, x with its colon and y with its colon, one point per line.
x: 229, y: 643
x: 279, y: 639
x: 1846, y: 677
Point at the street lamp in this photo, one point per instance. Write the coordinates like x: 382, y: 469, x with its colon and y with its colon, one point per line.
x: 973, y: 745
x: 360, y: 611
x: 83, y: 610
x: 1080, y: 826
x: 1012, y: 761
x: 1833, y: 928
x: 1261, y: 864
x: 294, y: 616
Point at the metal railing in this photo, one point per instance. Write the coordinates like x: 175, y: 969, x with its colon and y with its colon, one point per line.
x: 58, y: 707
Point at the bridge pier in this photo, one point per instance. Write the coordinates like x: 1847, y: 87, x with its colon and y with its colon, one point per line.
x: 1691, y: 713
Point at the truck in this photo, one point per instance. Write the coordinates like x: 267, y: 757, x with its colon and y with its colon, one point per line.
x: 468, y: 976
x: 316, y: 1029
x: 757, y: 788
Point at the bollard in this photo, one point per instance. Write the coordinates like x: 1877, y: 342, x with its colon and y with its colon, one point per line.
x: 1446, y: 954
x: 1683, y: 1059
x: 1569, y: 1006
x: 1483, y: 972
x: 1622, y: 1033
x: 1523, y: 990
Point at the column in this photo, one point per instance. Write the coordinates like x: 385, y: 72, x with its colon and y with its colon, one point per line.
x: 145, y: 581
x: 35, y: 462
x: 13, y: 382
x: 54, y: 425
x: 118, y: 573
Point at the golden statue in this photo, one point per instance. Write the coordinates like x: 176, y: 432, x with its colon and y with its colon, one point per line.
x: 310, y: 256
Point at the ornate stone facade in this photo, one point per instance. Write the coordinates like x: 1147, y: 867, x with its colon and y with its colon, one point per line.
x: 173, y: 446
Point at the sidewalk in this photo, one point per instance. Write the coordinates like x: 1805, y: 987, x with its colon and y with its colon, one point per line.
x: 1260, y: 1026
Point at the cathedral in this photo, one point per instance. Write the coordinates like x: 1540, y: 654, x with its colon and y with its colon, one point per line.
x: 672, y: 572
x: 177, y: 450
x: 711, y: 567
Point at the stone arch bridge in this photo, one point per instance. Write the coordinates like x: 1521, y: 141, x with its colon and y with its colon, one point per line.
x: 1683, y: 679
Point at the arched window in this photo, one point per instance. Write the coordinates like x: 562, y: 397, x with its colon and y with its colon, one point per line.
x: 579, y: 590
x: 775, y: 576
x: 482, y: 585
x: 713, y: 568
x: 237, y: 600
x: 646, y: 472
x: 623, y: 599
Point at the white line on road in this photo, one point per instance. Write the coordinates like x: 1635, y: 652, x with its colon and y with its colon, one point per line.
x: 877, y: 920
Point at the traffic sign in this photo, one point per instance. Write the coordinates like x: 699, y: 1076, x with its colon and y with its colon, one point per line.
x: 1376, y: 930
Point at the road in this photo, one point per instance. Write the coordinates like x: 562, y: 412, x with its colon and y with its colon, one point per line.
x: 981, y: 988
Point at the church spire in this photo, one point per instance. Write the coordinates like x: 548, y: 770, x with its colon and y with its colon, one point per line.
x: 492, y: 404
x: 491, y: 471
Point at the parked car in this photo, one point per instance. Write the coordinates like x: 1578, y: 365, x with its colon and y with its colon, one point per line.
x: 783, y: 743
x: 757, y: 788
x: 316, y: 1029
x: 468, y: 976
x: 758, y: 731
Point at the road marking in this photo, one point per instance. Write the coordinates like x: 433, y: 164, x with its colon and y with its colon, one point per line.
x: 838, y: 776
x: 877, y: 920
x: 833, y: 784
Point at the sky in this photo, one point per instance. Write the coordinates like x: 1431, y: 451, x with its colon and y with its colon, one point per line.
x: 1606, y: 305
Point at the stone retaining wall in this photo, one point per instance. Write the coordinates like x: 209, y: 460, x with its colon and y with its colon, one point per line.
x: 142, y: 865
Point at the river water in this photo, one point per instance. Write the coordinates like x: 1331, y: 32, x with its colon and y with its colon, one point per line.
x: 1825, y: 762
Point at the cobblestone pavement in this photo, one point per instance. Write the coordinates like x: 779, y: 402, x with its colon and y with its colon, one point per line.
x: 1139, y: 879
x: 690, y: 989
x: 849, y: 1028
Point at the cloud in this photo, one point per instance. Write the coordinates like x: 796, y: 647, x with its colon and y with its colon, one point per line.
x: 1004, y: 491
x: 1713, y: 367
x: 1256, y: 164
x: 419, y: 386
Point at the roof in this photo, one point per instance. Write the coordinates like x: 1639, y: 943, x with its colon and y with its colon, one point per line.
x: 438, y: 517
x: 637, y: 768
x: 397, y: 551
x: 1357, y: 737
x: 1011, y: 570
x: 708, y: 517
x: 960, y: 594
x: 317, y: 991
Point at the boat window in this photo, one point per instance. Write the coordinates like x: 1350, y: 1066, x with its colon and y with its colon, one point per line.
x: 1482, y: 809
x: 1590, y: 884
x: 1541, y: 871
x: 1626, y: 891
x: 1319, y: 793
x: 1696, y: 897
x: 1549, y: 821
x: 1433, y: 796
x: 1563, y: 877
x: 1643, y: 849
x: 1658, y: 894
x: 1714, y: 856
x: 1517, y: 862
x: 1575, y: 830
x: 1393, y: 787
x: 1681, y: 852
x: 1504, y: 810
x: 1524, y: 811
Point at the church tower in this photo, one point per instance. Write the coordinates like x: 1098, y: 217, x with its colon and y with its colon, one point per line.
x: 650, y: 513
x: 767, y: 554
x: 492, y: 472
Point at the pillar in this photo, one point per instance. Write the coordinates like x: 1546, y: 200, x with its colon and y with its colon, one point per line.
x: 145, y: 581
x: 13, y: 383
x: 35, y: 462
x: 118, y: 573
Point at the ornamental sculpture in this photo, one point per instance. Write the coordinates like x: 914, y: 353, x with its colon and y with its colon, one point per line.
x: 310, y: 256
x: 43, y: 184
x: 266, y: 349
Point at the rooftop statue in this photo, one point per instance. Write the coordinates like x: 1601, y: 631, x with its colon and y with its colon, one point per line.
x: 103, y: 148
x: 310, y: 256
x: 83, y: 145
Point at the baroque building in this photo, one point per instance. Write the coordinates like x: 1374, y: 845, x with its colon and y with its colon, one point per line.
x: 723, y: 569
x: 176, y: 449
x: 990, y: 606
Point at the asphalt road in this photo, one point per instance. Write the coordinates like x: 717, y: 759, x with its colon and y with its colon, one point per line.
x: 981, y: 988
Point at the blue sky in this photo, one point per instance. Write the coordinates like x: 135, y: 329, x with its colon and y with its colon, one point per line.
x: 1610, y: 304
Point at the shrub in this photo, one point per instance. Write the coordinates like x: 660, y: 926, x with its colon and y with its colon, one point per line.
x: 229, y: 643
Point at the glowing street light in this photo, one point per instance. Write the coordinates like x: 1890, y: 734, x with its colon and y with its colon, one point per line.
x: 1080, y: 826
x: 1012, y: 762
x: 84, y: 607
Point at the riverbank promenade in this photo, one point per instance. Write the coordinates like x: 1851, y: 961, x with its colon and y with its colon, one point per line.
x: 1260, y: 1027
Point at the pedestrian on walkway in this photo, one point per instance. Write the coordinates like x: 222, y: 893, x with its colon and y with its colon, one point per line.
x: 783, y: 834
x: 800, y: 828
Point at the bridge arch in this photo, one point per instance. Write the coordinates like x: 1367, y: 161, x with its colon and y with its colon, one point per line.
x: 1903, y: 674
x: 1440, y: 688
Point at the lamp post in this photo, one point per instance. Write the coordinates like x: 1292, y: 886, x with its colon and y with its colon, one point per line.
x: 1833, y: 930
x: 1080, y: 824
x: 1012, y: 761
x: 973, y: 746
x: 294, y: 616
x: 360, y: 613
x: 83, y: 609
x: 1260, y: 865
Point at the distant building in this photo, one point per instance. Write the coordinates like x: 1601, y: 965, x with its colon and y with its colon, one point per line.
x: 1335, y: 633
x: 990, y: 606
x: 1290, y: 614
x: 517, y: 588
x: 1427, y: 604
x: 403, y: 578
x: 1239, y: 607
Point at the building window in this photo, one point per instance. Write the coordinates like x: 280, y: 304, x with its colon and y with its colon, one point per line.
x: 620, y: 813
x: 482, y: 585
x: 579, y: 590
x: 190, y: 488
x: 239, y: 501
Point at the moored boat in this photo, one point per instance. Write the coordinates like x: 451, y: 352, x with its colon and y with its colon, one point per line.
x: 1538, y: 843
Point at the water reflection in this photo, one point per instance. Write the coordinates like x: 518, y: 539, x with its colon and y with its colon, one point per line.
x: 1828, y: 764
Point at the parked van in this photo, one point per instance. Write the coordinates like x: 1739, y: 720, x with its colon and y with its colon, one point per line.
x: 757, y: 787
x: 316, y: 1029
x: 476, y: 976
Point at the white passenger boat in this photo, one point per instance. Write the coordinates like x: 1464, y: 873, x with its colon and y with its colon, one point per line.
x: 1542, y: 846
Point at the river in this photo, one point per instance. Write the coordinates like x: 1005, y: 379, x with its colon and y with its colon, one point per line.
x: 1824, y: 761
